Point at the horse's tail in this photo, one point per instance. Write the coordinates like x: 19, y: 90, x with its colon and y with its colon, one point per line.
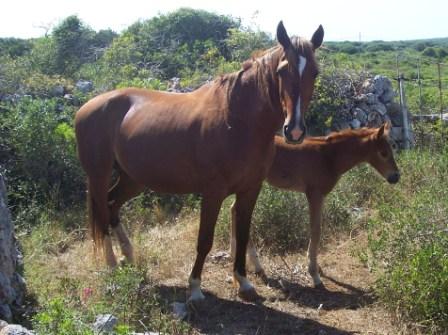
x: 96, y: 225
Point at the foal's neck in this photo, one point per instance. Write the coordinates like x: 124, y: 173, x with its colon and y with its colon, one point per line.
x: 349, y: 152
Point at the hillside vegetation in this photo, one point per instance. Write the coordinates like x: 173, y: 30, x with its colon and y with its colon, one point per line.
x: 406, y: 225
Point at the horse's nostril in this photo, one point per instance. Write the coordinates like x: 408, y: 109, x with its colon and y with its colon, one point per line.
x: 394, y: 178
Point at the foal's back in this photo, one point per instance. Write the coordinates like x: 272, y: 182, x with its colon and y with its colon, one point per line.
x: 303, y: 167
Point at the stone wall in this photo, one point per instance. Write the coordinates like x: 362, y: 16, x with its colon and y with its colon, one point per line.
x: 372, y: 105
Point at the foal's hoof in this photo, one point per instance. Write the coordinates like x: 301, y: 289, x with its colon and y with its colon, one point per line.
x: 250, y: 295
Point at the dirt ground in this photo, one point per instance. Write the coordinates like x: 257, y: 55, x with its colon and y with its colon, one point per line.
x: 292, y: 306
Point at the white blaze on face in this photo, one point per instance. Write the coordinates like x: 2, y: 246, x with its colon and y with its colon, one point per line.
x: 302, y: 64
x: 296, y: 131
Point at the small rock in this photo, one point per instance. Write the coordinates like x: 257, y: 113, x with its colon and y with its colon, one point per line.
x: 396, y: 133
x: 5, y: 312
x: 360, y: 114
x: 105, y: 323
x: 179, y: 310
x: 57, y: 91
x: 15, y: 330
x: 380, y: 108
x: 371, y: 99
x: 84, y: 86
x: 3, y: 324
x: 374, y: 119
x: 220, y: 256
x: 368, y: 87
x: 355, y: 124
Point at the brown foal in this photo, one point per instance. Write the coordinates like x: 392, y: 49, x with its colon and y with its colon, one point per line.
x: 315, y: 166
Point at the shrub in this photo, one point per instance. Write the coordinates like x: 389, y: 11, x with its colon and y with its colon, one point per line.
x: 408, y: 238
x: 38, y: 150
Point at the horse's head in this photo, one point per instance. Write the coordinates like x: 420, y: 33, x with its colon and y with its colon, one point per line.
x: 297, y: 71
x: 382, y: 156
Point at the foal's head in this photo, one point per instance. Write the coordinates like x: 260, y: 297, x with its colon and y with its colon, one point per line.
x: 381, y: 156
x: 297, y: 70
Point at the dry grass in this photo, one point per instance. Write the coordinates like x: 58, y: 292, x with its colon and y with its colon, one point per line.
x: 166, y: 254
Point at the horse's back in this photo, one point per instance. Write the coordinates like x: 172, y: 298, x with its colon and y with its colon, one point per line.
x: 171, y: 142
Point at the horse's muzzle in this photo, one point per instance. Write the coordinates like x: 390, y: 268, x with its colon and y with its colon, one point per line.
x: 393, y: 178
x: 294, y: 136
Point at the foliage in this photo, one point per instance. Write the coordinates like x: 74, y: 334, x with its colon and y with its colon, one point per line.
x: 242, y: 43
x: 14, y: 47
x: 57, y: 319
x: 409, y: 236
x: 38, y: 150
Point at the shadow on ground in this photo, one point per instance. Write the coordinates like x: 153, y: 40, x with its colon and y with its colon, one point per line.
x: 215, y: 315
x: 333, y: 296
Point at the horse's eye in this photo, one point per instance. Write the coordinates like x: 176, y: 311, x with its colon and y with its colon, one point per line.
x: 384, y: 153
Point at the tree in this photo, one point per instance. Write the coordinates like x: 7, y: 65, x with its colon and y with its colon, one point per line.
x: 72, y: 43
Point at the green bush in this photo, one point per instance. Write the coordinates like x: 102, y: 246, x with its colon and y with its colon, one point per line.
x: 409, y: 241
x: 39, y: 154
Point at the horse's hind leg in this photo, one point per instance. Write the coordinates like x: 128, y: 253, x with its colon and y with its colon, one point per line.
x: 315, y: 201
x: 124, y: 189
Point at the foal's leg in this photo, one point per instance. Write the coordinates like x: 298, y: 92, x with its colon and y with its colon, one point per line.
x: 244, y: 206
x: 315, y: 201
x: 122, y: 191
x: 210, y: 207
x: 251, y: 251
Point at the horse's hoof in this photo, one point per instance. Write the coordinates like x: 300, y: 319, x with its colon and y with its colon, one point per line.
x: 250, y: 295
x: 196, y: 296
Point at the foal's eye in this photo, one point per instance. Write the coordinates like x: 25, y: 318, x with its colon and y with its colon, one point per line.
x: 384, y: 154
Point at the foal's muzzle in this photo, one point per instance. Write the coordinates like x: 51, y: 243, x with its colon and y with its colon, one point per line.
x: 393, y: 178
x: 294, y: 135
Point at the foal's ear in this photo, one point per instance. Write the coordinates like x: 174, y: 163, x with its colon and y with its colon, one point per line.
x: 384, y: 130
x: 282, y: 36
x: 318, y: 37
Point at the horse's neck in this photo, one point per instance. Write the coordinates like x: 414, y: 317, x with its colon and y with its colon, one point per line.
x: 259, y: 99
x: 348, y: 153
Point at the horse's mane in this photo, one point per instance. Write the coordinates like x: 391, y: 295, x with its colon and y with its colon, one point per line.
x: 263, y: 65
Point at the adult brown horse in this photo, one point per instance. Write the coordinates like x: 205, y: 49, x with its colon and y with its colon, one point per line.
x: 315, y: 166
x: 216, y: 141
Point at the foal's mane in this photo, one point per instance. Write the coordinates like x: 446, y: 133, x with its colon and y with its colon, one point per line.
x: 339, y: 136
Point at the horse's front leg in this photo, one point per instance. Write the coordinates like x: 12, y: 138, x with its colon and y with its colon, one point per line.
x: 315, y: 202
x: 243, y: 207
x: 251, y: 251
x: 210, y: 207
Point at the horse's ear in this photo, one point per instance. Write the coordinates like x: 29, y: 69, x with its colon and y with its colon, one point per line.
x: 318, y: 37
x: 282, y: 36
x: 282, y: 66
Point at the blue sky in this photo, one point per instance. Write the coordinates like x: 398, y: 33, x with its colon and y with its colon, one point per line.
x: 342, y: 20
